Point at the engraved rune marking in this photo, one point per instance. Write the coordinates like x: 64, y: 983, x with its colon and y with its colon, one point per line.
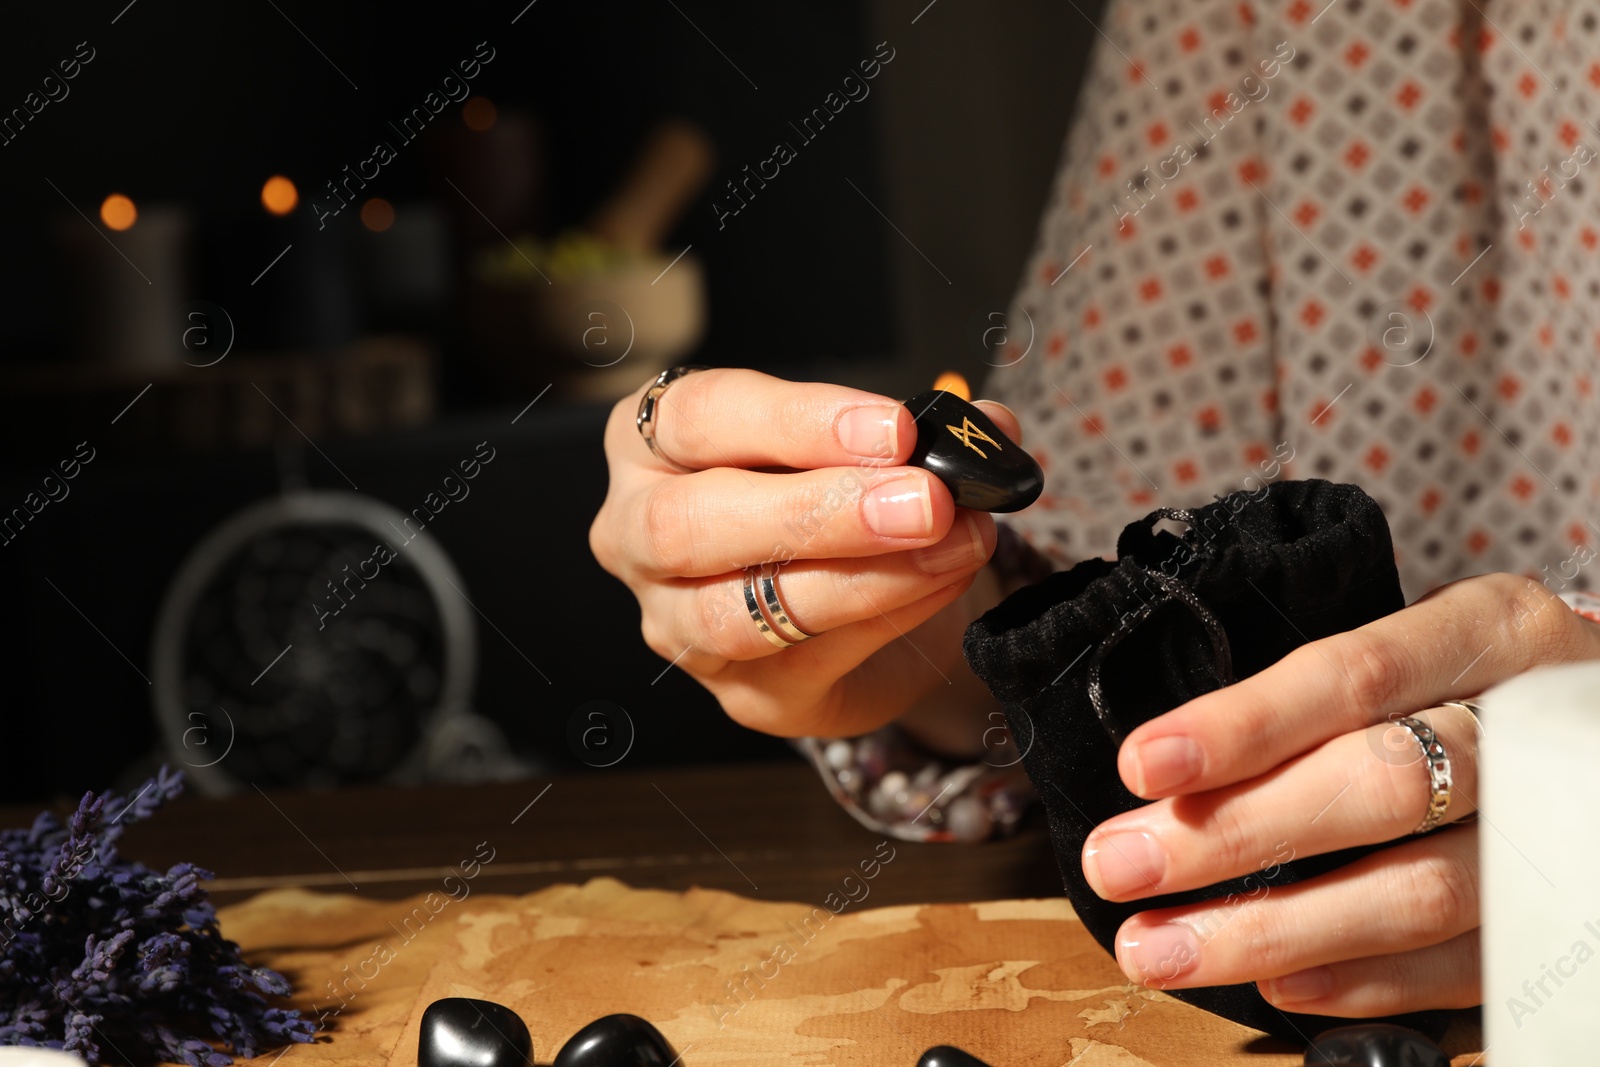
x: 967, y: 432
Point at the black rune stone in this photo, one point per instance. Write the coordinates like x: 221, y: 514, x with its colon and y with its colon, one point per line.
x: 617, y: 1041
x: 983, y: 468
x: 1374, y: 1045
x: 458, y: 1032
x: 949, y: 1056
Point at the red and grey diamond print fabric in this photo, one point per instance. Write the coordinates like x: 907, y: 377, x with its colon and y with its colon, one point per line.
x: 1356, y: 240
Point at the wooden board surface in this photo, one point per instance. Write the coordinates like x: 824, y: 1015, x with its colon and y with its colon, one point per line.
x: 733, y: 981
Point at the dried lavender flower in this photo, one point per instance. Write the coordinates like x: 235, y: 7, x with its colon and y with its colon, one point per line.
x: 106, y: 958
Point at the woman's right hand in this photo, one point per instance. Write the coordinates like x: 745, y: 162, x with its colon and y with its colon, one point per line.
x: 878, y: 548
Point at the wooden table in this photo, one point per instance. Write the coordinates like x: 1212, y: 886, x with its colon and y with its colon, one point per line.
x: 1018, y: 981
x: 768, y: 831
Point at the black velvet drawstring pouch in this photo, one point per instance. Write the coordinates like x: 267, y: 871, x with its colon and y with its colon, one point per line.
x: 1085, y: 656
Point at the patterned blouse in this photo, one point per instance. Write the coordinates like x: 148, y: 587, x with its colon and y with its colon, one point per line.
x: 1356, y: 240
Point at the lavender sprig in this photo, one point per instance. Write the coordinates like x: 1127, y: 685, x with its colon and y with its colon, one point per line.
x: 109, y: 959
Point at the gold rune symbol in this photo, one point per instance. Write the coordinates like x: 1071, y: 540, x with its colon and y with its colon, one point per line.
x: 968, y: 431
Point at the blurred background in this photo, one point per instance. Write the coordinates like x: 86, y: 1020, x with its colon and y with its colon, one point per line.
x: 311, y: 317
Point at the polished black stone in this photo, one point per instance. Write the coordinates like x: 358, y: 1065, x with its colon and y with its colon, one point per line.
x: 458, y: 1032
x: 983, y: 468
x: 949, y: 1056
x: 1375, y: 1045
x: 617, y: 1041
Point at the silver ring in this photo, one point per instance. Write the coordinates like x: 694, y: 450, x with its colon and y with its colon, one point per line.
x: 776, y: 611
x: 1471, y: 707
x: 646, y: 419
x: 779, y: 628
x: 1439, y: 777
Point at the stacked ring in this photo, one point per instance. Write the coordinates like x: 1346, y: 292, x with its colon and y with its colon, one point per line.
x: 768, y: 611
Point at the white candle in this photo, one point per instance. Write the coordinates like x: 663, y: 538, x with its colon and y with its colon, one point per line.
x: 1540, y: 867
x: 130, y: 286
x: 34, y: 1056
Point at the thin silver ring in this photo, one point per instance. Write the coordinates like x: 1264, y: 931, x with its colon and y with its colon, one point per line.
x: 1471, y: 707
x: 776, y: 611
x: 1474, y: 711
x: 651, y: 402
x: 753, y: 606
x: 1440, y: 779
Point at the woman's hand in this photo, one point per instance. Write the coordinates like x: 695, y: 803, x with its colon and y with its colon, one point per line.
x: 1305, y: 758
x: 879, y: 549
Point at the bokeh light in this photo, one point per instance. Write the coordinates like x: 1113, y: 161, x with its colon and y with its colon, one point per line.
x: 479, y: 113
x: 118, y: 212
x: 278, y: 195
x: 377, y: 214
x: 951, y: 382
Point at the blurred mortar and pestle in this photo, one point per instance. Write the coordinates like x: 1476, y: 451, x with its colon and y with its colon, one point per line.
x: 601, y: 308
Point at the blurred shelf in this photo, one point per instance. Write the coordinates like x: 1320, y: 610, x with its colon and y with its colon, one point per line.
x: 374, y: 383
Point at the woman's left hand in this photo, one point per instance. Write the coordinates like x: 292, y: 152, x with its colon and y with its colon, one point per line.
x: 1306, y: 758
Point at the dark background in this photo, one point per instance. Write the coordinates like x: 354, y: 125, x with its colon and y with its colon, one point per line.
x: 196, y: 104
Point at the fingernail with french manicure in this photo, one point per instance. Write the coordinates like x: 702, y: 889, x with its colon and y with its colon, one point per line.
x: 900, y: 508
x: 1166, y: 763
x: 1156, y: 955
x: 962, y: 550
x: 1122, y: 864
x: 870, y: 432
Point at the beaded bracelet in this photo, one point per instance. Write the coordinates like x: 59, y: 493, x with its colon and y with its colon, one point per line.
x: 893, y: 785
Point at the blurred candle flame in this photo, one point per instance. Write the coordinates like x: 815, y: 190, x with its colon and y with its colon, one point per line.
x: 278, y: 195
x: 377, y: 214
x: 479, y: 113
x: 118, y: 212
x: 953, y: 383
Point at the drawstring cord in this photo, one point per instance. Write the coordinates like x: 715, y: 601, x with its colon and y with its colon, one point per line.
x: 1171, y: 589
